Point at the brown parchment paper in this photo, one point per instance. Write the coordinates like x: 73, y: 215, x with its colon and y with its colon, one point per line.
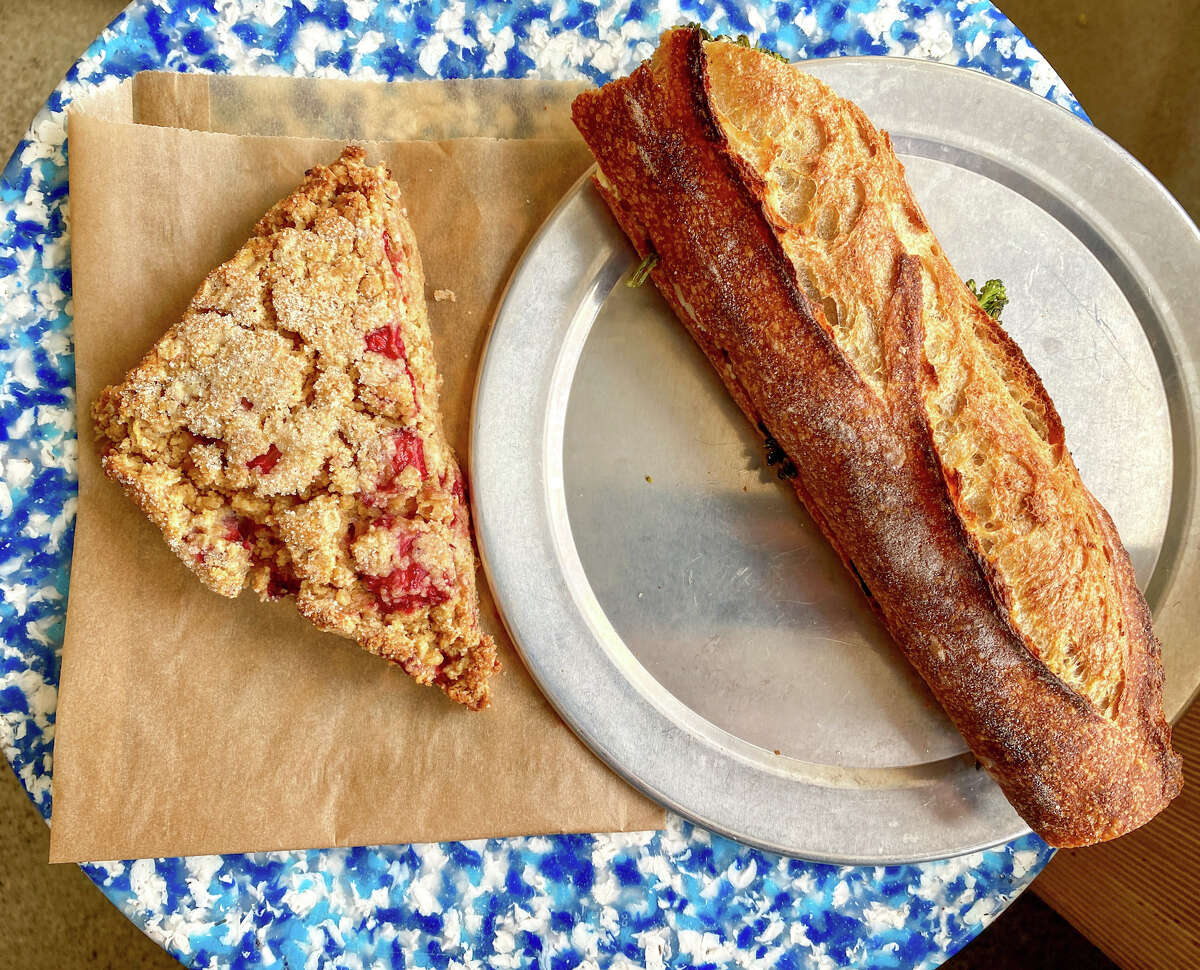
x: 188, y: 723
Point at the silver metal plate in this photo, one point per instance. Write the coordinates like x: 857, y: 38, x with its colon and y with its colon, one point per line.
x: 670, y: 595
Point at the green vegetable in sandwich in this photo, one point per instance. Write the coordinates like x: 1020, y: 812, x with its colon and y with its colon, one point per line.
x: 742, y: 39
x: 642, y: 273
x: 992, y: 298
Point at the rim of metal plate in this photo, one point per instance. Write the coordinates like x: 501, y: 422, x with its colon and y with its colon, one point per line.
x: 824, y: 813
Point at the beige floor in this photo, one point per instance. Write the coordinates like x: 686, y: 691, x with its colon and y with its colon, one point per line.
x: 1134, y: 65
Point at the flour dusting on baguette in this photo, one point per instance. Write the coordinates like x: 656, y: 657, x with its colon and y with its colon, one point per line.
x: 789, y: 244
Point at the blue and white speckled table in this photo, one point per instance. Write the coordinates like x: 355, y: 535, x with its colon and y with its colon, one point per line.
x: 679, y: 898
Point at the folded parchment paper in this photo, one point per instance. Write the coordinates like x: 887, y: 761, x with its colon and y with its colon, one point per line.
x: 188, y: 723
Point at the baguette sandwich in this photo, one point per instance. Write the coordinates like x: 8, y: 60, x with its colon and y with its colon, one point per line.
x: 781, y: 230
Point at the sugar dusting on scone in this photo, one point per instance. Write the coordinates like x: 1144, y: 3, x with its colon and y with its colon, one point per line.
x: 285, y: 434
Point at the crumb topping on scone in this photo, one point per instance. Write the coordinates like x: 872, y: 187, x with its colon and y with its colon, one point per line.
x: 285, y: 435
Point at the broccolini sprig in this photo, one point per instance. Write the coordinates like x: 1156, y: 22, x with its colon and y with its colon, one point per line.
x: 991, y: 296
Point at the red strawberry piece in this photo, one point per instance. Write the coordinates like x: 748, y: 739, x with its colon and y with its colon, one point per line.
x: 265, y: 462
x: 458, y: 495
x: 239, y: 530
x: 407, y: 587
x: 412, y: 382
x: 247, y: 404
x: 407, y: 452
x: 387, y: 341
x: 396, y: 258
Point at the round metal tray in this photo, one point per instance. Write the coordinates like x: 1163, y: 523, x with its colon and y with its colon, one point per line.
x: 670, y: 595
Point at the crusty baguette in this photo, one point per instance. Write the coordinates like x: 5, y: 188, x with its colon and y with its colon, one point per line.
x: 790, y: 246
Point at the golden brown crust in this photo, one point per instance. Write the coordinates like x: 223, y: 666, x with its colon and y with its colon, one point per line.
x: 285, y: 434
x: 834, y: 320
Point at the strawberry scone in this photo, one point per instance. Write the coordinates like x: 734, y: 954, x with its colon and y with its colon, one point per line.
x: 285, y: 434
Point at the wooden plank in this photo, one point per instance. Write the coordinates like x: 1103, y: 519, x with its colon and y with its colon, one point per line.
x: 1138, y: 898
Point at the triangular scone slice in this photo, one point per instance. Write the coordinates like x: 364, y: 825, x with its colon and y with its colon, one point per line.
x: 285, y: 434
